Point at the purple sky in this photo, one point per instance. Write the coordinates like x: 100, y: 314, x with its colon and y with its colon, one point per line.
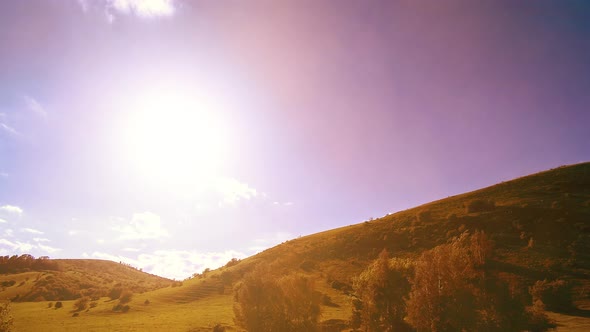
x: 175, y: 135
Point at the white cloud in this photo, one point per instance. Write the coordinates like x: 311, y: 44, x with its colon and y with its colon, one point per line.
x: 233, y: 191
x: 3, y: 175
x: 2, y: 221
x: 180, y: 264
x: 8, y: 232
x: 31, y: 230
x: 26, y: 247
x: 131, y: 249
x: 35, y: 106
x: 17, y: 245
x: 174, y: 264
x: 139, y: 8
x: 146, y: 225
x: 12, y: 209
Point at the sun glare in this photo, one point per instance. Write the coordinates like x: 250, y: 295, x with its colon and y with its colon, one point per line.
x: 175, y: 138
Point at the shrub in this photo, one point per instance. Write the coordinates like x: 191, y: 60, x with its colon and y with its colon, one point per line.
x: 555, y: 295
x: 115, y: 292
x: 146, y: 302
x: 58, y: 304
x: 218, y: 328
x: 232, y: 262
x: 125, y: 297
x: 50, y: 305
x: 125, y: 308
x: 480, y: 205
x: 81, y: 303
x: 75, y: 314
x: 424, y: 216
x: 6, y: 320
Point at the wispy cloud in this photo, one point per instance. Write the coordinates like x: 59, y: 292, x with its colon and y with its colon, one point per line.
x: 31, y: 230
x: 3, y: 175
x: 47, y: 248
x: 145, y: 225
x: 40, y: 239
x: 2, y: 221
x: 8, y: 129
x: 33, y: 105
x: 12, y: 209
x: 139, y: 8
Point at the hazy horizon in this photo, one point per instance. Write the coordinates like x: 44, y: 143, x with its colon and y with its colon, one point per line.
x: 174, y: 135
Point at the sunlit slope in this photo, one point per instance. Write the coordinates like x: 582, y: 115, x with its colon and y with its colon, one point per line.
x: 75, y: 277
x: 540, y: 225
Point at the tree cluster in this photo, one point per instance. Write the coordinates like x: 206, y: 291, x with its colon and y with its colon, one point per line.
x: 448, y: 288
x: 26, y: 262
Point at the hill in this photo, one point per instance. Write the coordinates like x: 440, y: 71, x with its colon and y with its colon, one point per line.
x: 540, y: 225
x: 28, y: 279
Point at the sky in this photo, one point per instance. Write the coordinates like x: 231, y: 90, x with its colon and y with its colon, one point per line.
x: 174, y: 135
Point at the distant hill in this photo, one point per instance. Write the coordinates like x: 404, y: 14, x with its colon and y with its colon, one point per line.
x: 25, y: 278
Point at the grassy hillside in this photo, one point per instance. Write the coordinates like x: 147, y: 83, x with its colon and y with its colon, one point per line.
x: 71, y: 278
x: 540, y: 225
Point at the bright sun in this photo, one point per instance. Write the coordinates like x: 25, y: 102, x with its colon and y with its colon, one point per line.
x: 176, y: 138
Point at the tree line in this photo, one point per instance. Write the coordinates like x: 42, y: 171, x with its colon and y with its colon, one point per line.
x: 452, y: 287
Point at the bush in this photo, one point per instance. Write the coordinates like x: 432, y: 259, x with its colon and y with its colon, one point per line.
x: 81, y: 303
x: 218, y: 328
x: 424, y: 216
x: 115, y: 292
x: 50, y: 305
x: 58, y: 305
x: 480, y: 205
x: 232, y: 262
x: 146, y: 302
x: 555, y: 295
x: 125, y: 297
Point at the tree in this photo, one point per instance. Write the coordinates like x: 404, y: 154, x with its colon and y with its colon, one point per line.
x: 380, y: 295
x: 266, y: 303
x: 6, y: 320
x: 453, y: 290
